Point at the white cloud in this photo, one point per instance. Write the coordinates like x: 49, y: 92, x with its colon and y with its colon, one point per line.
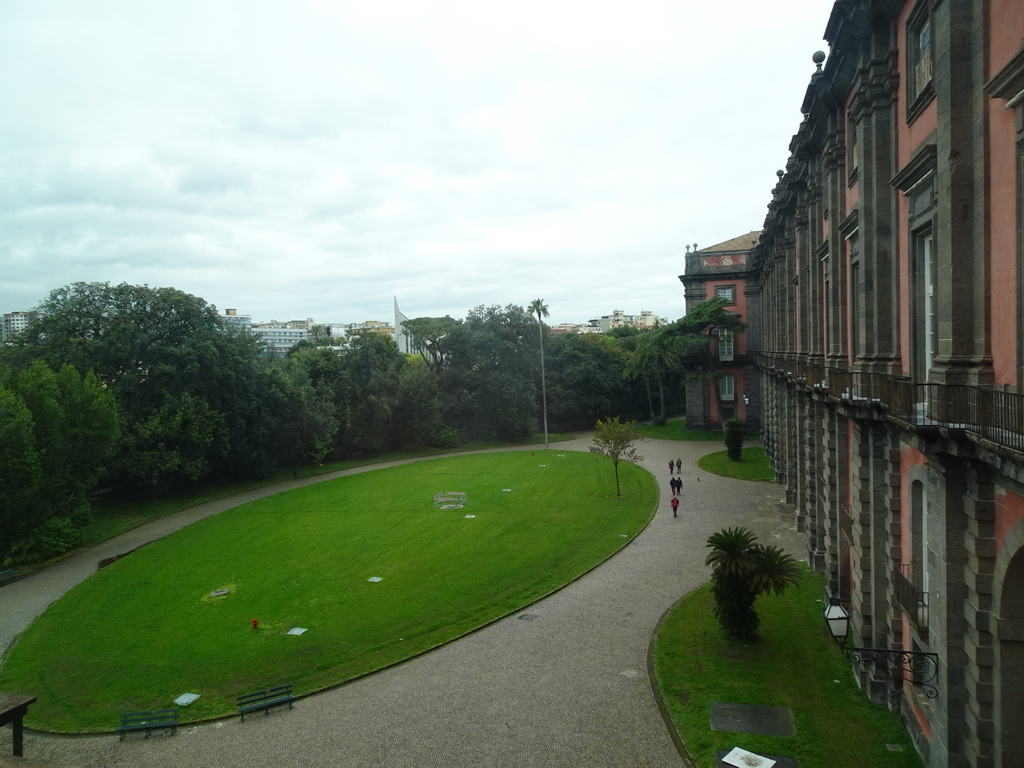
x: 295, y: 159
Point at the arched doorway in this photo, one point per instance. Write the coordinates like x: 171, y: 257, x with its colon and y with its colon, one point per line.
x: 1010, y: 644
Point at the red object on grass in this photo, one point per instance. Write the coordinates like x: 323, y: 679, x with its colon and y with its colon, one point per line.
x: 255, y: 623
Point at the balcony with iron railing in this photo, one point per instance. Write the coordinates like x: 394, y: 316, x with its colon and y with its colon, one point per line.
x: 911, y: 598
x: 990, y: 414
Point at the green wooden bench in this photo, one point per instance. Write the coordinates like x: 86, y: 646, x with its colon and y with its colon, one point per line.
x: 148, y: 721
x: 271, y: 697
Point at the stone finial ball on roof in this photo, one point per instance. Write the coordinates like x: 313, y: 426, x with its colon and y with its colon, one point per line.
x: 818, y: 58
x: 780, y: 174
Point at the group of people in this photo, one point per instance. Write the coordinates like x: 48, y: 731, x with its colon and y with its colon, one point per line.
x: 676, y: 484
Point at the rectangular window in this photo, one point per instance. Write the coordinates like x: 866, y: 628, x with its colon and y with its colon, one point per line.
x: 853, y: 139
x: 919, y: 61
x: 727, y: 292
x: 855, y: 297
x: 726, y: 344
x: 1020, y: 248
x: 923, y: 305
x: 727, y: 387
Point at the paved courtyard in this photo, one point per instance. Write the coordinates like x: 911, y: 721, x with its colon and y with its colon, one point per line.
x: 564, y: 682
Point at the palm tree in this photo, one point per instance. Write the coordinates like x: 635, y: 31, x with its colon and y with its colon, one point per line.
x: 742, y: 570
x: 539, y: 308
x: 657, y: 354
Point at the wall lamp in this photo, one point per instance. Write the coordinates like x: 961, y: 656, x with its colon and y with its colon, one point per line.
x: 916, y: 667
x: 746, y: 399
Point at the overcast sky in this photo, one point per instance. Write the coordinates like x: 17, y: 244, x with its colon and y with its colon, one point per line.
x: 315, y: 158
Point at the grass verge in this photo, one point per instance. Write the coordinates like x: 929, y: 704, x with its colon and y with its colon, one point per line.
x: 793, y: 665
x: 753, y: 466
x: 116, y: 513
x: 675, y: 429
x: 146, y: 629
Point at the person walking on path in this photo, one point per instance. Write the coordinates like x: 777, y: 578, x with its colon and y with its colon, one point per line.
x: 671, y: 468
x: 679, y: 466
x: 675, y: 507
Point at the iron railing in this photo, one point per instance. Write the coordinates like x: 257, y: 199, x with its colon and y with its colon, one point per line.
x: 983, y: 412
x: 911, y: 599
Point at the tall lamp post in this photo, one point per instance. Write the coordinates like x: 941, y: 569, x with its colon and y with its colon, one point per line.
x: 539, y: 308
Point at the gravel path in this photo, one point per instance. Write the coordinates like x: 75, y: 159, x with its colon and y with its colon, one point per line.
x: 561, y: 683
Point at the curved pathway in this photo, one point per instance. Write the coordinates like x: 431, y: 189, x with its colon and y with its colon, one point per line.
x: 563, y: 683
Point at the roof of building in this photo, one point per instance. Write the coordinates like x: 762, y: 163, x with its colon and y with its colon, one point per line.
x: 741, y: 243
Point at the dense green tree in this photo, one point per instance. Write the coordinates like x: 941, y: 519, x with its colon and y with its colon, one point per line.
x: 319, y: 400
x: 152, y: 347
x: 21, y: 473
x: 585, y: 380
x: 128, y: 335
x: 371, y: 364
x: 617, y: 440
x: 489, y: 382
x: 75, y: 428
x: 657, y: 357
x: 431, y: 337
x: 171, y: 366
x: 175, y: 440
x: 417, y: 410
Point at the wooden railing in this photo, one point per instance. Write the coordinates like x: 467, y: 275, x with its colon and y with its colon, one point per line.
x: 987, y: 413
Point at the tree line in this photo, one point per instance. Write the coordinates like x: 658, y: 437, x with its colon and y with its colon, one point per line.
x: 135, y: 387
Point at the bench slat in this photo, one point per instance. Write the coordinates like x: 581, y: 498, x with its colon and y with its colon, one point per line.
x: 148, y: 721
x: 271, y: 697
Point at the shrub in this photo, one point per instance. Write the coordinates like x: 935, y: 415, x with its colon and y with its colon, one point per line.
x: 742, y: 569
x: 734, y: 429
x: 447, y: 437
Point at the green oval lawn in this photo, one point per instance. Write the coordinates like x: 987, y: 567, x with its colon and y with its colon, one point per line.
x: 144, y: 630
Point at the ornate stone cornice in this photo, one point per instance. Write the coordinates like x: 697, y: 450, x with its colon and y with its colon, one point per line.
x: 1008, y: 81
x: 879, y: 81
x: 833, y: 154
x: 920, y: 165
x: 849, y: 226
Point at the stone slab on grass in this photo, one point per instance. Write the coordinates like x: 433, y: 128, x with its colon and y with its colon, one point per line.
x: 752, y: 718
x: 781, y: 761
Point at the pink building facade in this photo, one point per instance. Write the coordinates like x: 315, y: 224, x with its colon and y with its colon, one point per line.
x: 891, y: 269
x: 724, y: 270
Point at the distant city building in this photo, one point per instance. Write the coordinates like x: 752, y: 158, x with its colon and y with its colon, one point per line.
x: 231, y: 319
x: 279, y: 337
x: 619, y: 319
x: 329, y: 330
x: 14, y: 322
x: 402, y: 336
x: 574, y: 328
x: 369, y: 326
